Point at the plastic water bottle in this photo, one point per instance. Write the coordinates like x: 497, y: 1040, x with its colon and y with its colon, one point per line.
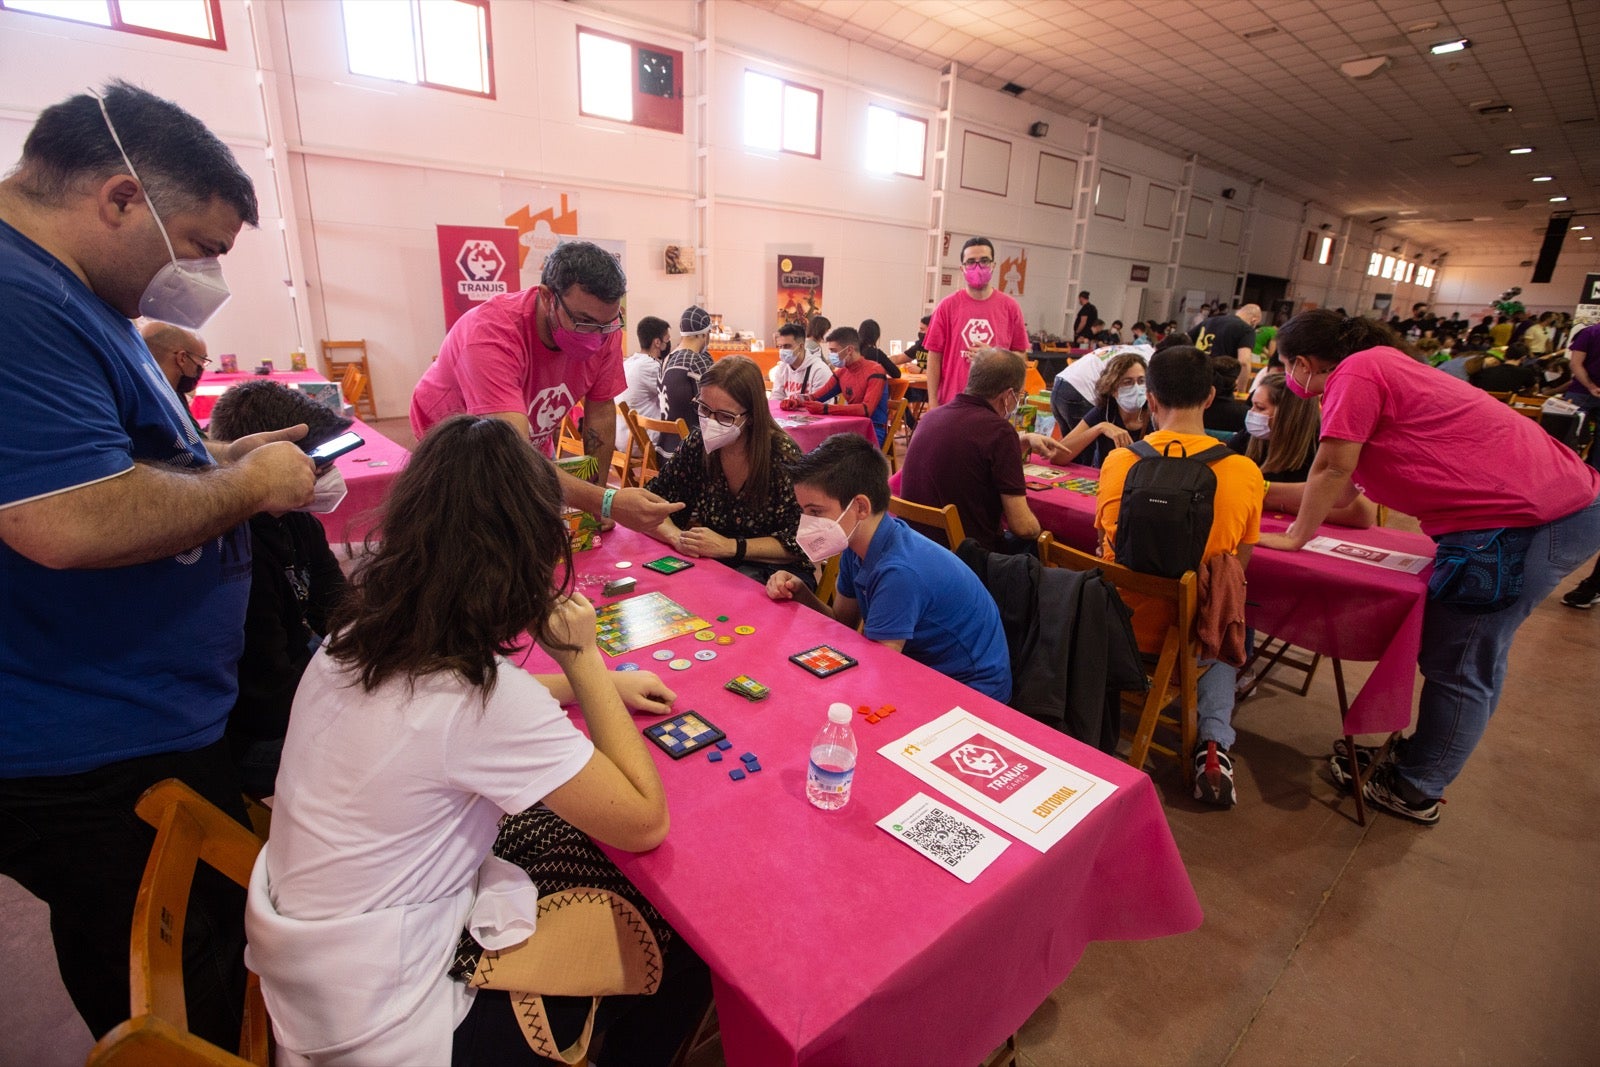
x: 833, y: 761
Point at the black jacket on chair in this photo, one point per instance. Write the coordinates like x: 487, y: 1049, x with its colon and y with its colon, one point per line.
x: 1071, y: 643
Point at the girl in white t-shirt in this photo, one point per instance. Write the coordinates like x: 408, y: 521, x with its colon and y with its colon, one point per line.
x: 410, y: 737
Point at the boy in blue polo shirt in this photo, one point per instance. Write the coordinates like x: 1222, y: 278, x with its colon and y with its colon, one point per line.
x: 915, y: 596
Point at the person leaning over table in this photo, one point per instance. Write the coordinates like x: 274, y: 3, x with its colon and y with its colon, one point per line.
x: 529, y: 357
x: 1413, y: 438
x: 412, y: 738
x: 123, y: 544
x: 906, y: 591
x: 732, y: 477
x: 858, y: 384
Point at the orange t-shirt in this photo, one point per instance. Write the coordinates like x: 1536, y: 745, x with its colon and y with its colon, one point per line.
x: 1235, y: 517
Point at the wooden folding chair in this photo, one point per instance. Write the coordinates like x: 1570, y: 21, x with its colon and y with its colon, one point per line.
x: 1032, y: 380
x: 339, y: 355
x: 188, y: 829
x: 828, y: 584
x: 1179, y: 655
x: 640, y: 428
x: 897, y: 416
x: 353, y: 386
x: 931, y: 518
x: 1531, y: 406
x: 570, y: 440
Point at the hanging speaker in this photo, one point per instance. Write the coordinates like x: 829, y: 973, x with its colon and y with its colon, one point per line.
x: 1554, y: 235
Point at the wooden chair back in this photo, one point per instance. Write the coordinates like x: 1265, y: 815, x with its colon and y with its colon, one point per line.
x: 625, y: 461
x: 640, y: 427
x: 897, y: 418
x: 828, y: 584
x: 1178, y: 657
x: 1531, y: 406
x: 1504, y: 398
x: 570, y: 439
x: 1032, y: 380
x: 898, y: 388
x: 353, y: 386
x: 337, y: 356
x: 931, y: 518
x: 188, y: 829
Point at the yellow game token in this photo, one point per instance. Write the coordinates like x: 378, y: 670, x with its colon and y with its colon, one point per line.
x: 744, y: 631
x: 705, y: 635
x: 724, y: 640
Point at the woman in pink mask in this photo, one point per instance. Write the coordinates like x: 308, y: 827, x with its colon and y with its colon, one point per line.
x: 1508, y: 530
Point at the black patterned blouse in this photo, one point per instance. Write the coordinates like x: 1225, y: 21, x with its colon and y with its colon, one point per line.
x: 710, y: 503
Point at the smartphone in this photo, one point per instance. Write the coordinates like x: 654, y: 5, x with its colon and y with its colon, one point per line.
x: 329, y: 451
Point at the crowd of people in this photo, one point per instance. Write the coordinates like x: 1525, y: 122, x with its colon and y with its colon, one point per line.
x: 226, y: 646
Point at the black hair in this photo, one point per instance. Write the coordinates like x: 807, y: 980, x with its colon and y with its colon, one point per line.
x: 870, y: 331
x: 650, y: 330
x: 259, y: 406
x: 181, y: 164
x: 1224, y: 373
x: 1083, y: 294
x: 927, y: 320
x: 589, y: 267
x: 1329, y: 336
x: 845, y: 466
x: 1173, y: 339
x: 792, y: 329
x: 974, y: 242
x: 845, y: 337
x: 1179, y: 377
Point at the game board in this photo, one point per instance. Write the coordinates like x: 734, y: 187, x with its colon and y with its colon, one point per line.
x: 643, y: 620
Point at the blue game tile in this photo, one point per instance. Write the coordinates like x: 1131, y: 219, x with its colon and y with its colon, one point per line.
x: 736, y: 774
x: 724, y: 744
x: 752, y: 766
x: 714, y: 756
x: 748, y: 757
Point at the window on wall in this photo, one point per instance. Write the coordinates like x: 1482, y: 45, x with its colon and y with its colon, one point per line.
x: 896, y: 143
x: 780, y: 116
x: 1410, y: 269
x: 1375, y: 265
x: 1425, y: 277
x: 629, y: 81
x: 441, y: 44
x: 192, y: 21
x: 1388, y: 266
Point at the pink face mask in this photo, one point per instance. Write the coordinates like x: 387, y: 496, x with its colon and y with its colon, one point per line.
x: 977, y: 274
x: 1302, y: 391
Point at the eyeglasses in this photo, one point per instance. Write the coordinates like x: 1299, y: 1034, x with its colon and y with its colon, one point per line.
x: 582, y: 326
x: 721, y: 418
x: 985, y: 261
x: 198, y: 361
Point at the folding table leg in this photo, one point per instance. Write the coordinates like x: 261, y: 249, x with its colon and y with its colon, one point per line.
x: 1350, y: 743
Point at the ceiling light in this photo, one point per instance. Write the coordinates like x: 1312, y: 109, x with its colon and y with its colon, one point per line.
x: 1421, y: 27
x: 1545, y: 178
x: 1267, y: 31
x: 1580, y: 227
x: 1466, y: 159
x: 1495, y: 109
x: 1444, y: 48
x: 1524, y: 150
x: 1013, y: 88
x: 1365, y: 67
x: 1558, y: 200
x: 1586, y: 238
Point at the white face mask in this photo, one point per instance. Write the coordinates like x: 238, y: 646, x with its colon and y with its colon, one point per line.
x: 788, y: 356
x: 714, y: 435
x: 1257, y: 425
x: 185, y: 292
x: 821, y: 539
x: 1130, y: 397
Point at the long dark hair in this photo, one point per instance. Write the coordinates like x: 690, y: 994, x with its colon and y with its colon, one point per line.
x: 744, y: 383
x: 1329, y: 336
x: 472, y: 545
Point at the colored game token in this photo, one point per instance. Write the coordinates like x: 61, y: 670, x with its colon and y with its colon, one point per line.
x: 724, y: 744
x: 724, y: 640
x: 744, y: 631
x: 627, y: 666
x: 681, y: 664
x: 705, y: 635
x: 736, y: 774
x: 662, y: 653
x: 714, y: 756
x: 705, y: 654
x: 622, y: 565
x: 722, y: 618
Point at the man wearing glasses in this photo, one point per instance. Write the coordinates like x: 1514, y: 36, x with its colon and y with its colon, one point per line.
x: 977, y: 316
x: 530, y: 357
x: 181, y: 355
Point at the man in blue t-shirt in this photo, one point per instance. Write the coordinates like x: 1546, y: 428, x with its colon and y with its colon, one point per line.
x: 124, y: 567
x: 912, y: 594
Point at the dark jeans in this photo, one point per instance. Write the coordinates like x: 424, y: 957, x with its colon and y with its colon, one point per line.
x: 639, y: 1031
x: 75, y: 843
x: 1068, y: 406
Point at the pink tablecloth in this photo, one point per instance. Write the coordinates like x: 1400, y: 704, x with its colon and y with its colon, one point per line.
x: 809, y: 431
x: 1337, y: 607
x: 206, y: 393
x: 829, y: 942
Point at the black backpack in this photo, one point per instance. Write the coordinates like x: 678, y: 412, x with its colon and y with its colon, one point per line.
x: 1166, y: 509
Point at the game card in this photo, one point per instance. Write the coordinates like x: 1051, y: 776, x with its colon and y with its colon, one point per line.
x: 822, y: 661
x: 948, y: 838
x: 643, y: 620
x: 668, y: 565
x: 683, y: 734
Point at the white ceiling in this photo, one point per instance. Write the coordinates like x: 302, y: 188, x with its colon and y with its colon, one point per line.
x: 1180, y: 74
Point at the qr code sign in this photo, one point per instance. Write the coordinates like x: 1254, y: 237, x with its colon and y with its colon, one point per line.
x: 944, y: 838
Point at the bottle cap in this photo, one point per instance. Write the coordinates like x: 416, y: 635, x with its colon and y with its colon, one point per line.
x: 839, y: 713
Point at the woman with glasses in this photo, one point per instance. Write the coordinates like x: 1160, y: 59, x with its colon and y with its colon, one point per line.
x: 732, y: 477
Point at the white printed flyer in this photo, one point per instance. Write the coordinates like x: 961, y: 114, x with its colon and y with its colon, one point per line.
x: 1032, y: 795
x: 1406, y: 562
x: 948, y: 838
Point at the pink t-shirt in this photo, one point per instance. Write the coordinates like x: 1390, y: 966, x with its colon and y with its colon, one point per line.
x: 492, y: 360
x: 961, y: 325
x: 1448, y: 453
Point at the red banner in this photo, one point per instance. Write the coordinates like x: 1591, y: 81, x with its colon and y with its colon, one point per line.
x: 475, y: 263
